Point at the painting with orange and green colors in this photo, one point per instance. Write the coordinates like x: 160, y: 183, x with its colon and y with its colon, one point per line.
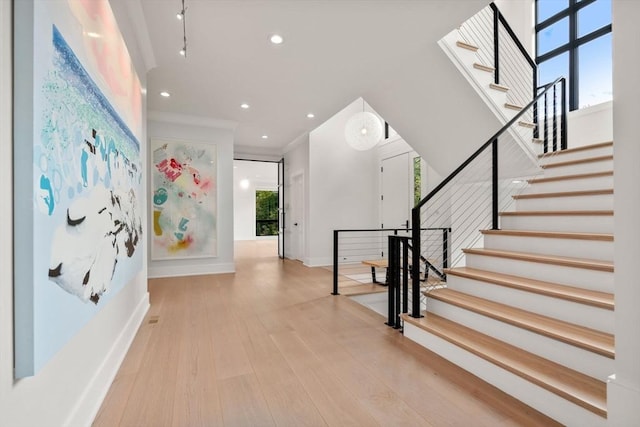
x: 184, y: 178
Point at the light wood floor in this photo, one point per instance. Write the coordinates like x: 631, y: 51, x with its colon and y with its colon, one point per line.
x: 269, y: 346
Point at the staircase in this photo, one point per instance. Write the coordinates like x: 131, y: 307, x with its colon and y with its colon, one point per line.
x: 531, y: 312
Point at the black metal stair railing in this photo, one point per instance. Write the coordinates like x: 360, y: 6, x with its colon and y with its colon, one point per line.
x: 353, y: 246
x: 472, y: 196
x: 500, y: 48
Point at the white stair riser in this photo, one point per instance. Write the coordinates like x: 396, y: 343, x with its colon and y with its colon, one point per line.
x: 578, y: 359
x: 595, y: 202
x: 538, y: 398
x: 597, y: 166
x: 582, y: 278
x: 568, y: 311
x: 561, y: 156
x: 577, y: 223
x: 581, y: 184
x: 591, y: 249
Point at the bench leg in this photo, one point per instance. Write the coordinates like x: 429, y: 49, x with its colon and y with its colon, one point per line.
x: 373, y: 274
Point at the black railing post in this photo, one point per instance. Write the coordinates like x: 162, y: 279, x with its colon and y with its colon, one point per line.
x: 335, y: 263
x: 555, y: 120
x: 405, y: 274
x: 445, y: 251
x: 494, y: 182
x: 496, y: 46
x: 536, y: 130
x: 391, y: 282
x: 563, y: 100
x: 546, y: 124
x: 415, y: 262
x: 396, y: 281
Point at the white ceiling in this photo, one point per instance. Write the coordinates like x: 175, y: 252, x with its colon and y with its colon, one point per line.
x: 334, y: 52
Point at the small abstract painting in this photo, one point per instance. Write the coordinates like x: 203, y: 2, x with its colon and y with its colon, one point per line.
x: 79, y: 195
x: 184, y: 200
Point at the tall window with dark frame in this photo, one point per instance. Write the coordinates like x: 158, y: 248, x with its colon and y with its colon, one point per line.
x: 266, y: 213
x: 573, y: 39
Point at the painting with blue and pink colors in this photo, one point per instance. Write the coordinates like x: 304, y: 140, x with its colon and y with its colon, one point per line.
x: 89, y: 169
x: 184, y: 200
x: 87, y: 230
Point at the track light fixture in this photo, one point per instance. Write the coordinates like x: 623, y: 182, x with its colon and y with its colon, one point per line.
x: 182, y: 16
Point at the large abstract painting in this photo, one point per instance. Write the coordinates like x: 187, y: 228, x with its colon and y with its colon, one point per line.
x: 184, y: 200
x: 80, y: 172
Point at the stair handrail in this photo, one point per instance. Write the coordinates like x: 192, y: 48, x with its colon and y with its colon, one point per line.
x: 498, y: 18
x: 493, y: 142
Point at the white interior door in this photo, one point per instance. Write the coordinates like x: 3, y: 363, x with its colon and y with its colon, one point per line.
x: 397, y: 187
x: 296, y: 217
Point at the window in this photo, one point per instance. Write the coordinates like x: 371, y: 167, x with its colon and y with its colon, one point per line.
x: 574, y: 40
x: 266, y: 213
x: 417, y: 180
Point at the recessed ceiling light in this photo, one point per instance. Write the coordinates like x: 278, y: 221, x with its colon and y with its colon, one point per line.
x: 244, y: 106
x: 265, y: 136
x: 276, y: 39
x: 310, y: 115
x: 165, y: 94
x: 183, y: 51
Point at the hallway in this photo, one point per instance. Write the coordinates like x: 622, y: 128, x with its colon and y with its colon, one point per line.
x: 269, y: 345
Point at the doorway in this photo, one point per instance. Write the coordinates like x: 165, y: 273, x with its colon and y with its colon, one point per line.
x: 256, y: 204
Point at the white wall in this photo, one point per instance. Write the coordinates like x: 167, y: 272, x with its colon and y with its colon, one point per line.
x: 520, y: 15
x: 624, y: 390
x: 590, y: 125
x: 260, y: 176
x: 343, y: 186
x: 70, y: 388
x: 208, y: 131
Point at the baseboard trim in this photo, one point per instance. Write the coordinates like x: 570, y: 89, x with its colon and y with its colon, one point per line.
x: 318, y: 262
x: 157, y: 272
x: 85, y: 411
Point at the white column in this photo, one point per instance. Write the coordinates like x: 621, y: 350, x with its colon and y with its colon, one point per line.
x: 624, y: 387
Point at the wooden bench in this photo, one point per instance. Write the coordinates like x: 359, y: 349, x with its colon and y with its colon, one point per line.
x: 376, y: 263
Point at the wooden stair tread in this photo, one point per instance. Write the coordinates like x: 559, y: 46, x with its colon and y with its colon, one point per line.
x: 570, y: 177
x: 576, y: 162
x: 588, y: 339
x: 589, y: 264
x: 513, y: 106
x: 559, y: 213
x: 496, y: 86
x: 526, y: 124
x: 483, y: 67
x: 578, y: 388
x: 569, y: 293
x: 552, y: 234
x: 564, y: 194
x: 578, y: 149
x: 467, y: 46
x: 537, y: 141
